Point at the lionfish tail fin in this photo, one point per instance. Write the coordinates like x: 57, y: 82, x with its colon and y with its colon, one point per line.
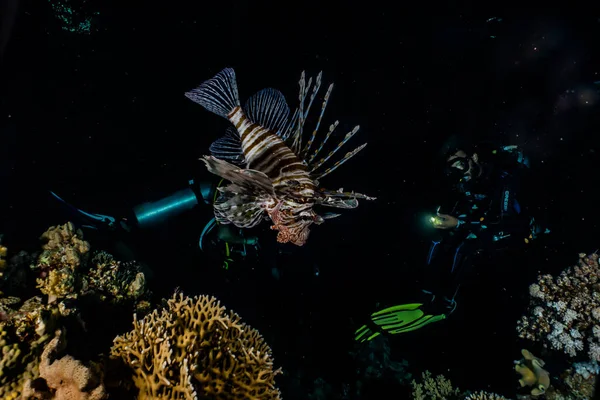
x: 219, y: 94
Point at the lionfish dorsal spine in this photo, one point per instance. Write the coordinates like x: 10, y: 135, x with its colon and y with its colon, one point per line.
x: 296, y: 138
x: 331, y: 153
x: 327, y: 136
x: 335, y: 166
x: 316, y: 130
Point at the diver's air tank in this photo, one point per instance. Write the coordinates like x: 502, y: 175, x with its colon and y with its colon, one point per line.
x: 157, y: 212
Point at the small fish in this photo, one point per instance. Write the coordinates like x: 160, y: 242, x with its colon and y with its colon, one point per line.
x: 270, y: 173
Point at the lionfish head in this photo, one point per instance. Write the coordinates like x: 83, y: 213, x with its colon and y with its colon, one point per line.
x: 293, y: 226
x: 296, y: 234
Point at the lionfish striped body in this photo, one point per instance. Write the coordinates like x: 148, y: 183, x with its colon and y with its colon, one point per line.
x: 270, y: 173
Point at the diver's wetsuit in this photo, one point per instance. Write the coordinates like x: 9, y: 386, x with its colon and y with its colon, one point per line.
x: 490, y: 218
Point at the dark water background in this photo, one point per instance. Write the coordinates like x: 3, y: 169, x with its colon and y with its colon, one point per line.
x: 101, y: 119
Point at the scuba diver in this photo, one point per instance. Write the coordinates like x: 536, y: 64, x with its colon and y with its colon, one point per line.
x: 224, y: 241
x: 486, y: 217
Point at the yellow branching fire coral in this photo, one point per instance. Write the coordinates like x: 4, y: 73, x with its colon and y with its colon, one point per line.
x: 193, y: 348
x: 64, y: 378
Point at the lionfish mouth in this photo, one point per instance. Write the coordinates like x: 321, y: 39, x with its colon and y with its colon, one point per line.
x: 299, y: 239
x: 297, y: 235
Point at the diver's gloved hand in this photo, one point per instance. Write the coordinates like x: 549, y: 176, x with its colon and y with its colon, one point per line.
x: 398, y: 319
x: 445, y: 221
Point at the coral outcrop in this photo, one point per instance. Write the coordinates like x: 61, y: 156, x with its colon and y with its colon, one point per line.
x: 23, y: 333
x: 430, y: 388
x: 3, y: 251
x: 64, y: 378
x: 64, y: 272
x: 193, y: 348
x: 441, y: 388
x: 564, y: 312
x: 54, y: 281
x: 532, y: 373
x: 485, y: 396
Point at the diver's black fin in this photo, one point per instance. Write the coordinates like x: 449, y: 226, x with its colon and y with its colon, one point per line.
x: 268, y: 108
x: 229, y: 147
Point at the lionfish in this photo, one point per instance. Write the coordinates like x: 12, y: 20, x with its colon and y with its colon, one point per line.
x: 270, y: 172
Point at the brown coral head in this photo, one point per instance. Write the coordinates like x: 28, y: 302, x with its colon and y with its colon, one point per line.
x: 64, y: 378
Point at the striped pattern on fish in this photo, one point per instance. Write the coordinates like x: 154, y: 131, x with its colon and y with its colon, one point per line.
x: 269, y: 177
x: 265, y: 151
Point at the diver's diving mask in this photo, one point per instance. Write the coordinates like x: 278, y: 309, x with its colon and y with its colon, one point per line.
x: 457, y: 168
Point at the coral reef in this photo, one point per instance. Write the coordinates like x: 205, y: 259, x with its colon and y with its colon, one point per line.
x: 576, y: 382
x: 64, y: 378
x: 430, y: 388
x: 14, y: 279
x: 485, y: 396
x: 115, y: 281
x: 580, y: 380
x: 375, y: 361
x: 532, y: 373
x: 441, y: 388
x: 23, y: 332
x: 564, y: 312
x: 54, y: 281
x: 63, y: 254
x: 64, y: 272
x: 19, y: 363
x: 189, y: 348
x: 3, y: 251
x: 564, y: 315
x: 192, y: 348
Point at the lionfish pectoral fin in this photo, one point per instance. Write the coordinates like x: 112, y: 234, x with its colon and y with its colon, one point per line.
x: 329, y: 215
x: 229, y: 147
x: 241, y: 210
x: 268, y: 108
x: 338, y: 202
x: 341, y: 194
x: 219, y: 94
x: 341, y: 199
x: 246, y: 178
